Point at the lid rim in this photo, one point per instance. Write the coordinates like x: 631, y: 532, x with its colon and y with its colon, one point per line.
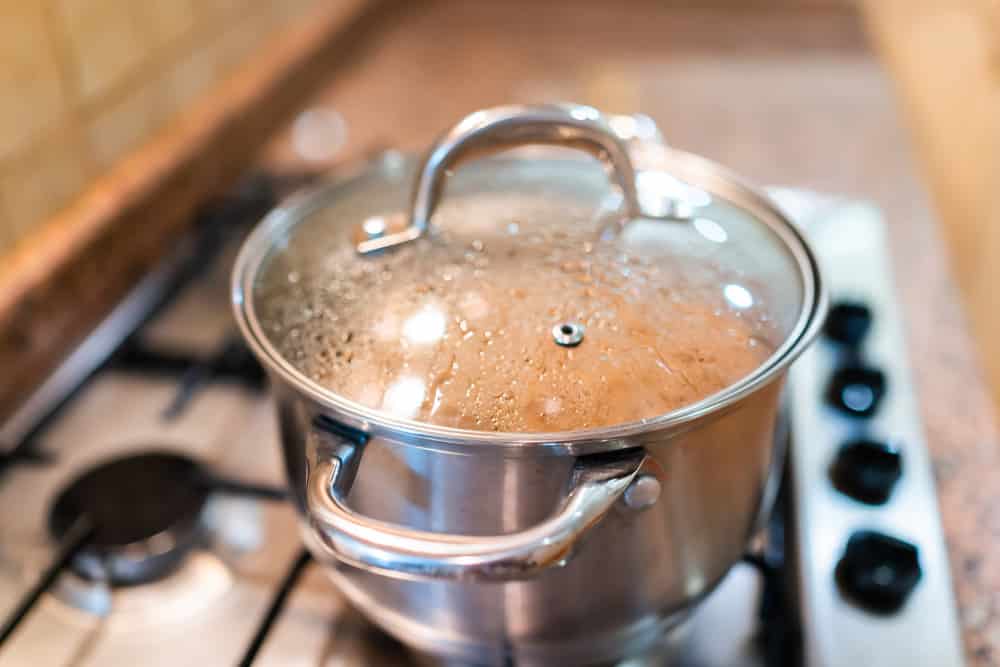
x: 592, y: 440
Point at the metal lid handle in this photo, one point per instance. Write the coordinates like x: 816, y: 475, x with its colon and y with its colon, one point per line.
x: 492, y: 130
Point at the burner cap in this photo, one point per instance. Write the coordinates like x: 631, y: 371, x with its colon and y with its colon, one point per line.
x: 146, y: 510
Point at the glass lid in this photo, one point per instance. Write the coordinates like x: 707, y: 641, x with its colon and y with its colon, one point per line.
x: 539, y: 291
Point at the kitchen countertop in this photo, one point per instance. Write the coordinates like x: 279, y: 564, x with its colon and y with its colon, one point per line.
x: 787, y: 97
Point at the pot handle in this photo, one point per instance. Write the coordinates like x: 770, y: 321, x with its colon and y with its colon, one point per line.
x: 492, y: 130
x: 597, y: 482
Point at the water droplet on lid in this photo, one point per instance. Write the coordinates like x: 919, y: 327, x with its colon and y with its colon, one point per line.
x: 711, y: 230
x: 404, y: 397
x: 738, y: 296
x: 425, y: 326
x: 473, y: 305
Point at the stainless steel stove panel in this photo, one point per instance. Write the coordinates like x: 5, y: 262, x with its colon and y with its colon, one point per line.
x: 850, y: 239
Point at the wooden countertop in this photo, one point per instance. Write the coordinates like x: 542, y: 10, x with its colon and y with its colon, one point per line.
x: 787, y: 97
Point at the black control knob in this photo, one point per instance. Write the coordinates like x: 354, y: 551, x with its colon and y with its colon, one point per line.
x: 848, y: 322
x: 867, y: 470
x: 856, y: 390
x: 877, y: 571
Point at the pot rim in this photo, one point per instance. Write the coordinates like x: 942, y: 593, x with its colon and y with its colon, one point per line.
x: 689, y: 167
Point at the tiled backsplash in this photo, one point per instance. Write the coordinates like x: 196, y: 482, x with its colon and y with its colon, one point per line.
x: 83, y: 82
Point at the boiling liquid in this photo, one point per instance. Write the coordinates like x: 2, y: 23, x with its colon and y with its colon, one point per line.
x: 456, y: 330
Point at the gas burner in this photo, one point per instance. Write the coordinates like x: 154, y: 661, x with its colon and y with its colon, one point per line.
x: 144, y: 511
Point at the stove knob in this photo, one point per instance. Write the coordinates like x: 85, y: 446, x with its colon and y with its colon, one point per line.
x: 867, y: 470
x: 848, y: 322
x: 856, y: 390
x: 877, y: 571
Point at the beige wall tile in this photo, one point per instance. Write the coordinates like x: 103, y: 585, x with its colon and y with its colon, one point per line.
x: 190, y: 77
x: 31, y: 95
x: 35, y: 185
x: 211, y: 61
x: 165, y: 21
x: 122, y: 126
x: 285, y: 10
x: 105, y: 40
x: 222, y: 8
x: 241, y: 38
x: 6, y: 236
x: 119, y: 70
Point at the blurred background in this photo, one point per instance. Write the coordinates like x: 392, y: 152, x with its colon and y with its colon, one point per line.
x: 127, y: 129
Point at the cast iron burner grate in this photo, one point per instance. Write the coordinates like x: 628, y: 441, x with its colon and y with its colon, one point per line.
x: 231, y: 362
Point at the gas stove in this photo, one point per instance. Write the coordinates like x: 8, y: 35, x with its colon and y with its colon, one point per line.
x: 143, y: 517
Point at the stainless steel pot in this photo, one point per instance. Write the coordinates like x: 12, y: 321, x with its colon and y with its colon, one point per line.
x: 538, y: 548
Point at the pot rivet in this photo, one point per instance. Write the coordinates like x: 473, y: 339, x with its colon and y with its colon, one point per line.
x: 568, y: 334
x: 643, y: 492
